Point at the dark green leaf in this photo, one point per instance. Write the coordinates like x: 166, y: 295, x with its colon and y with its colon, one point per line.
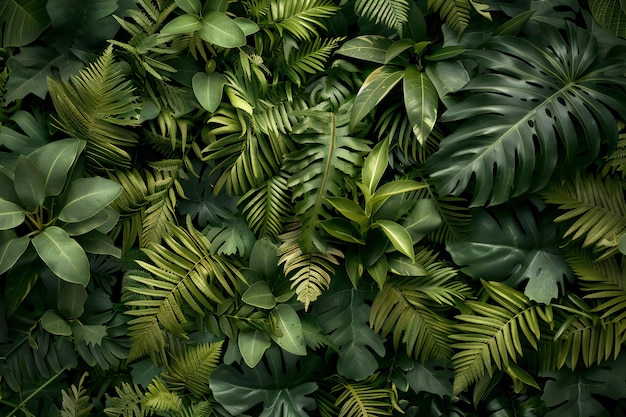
x: 71, y: 300
x: 90, y: 334
x: 611, y: 15
x: 422, y: 219
x: 259, y: 295
x: 98, y: 243
x: 221, y: 30
x: 289, y: 329
x: 55, y: 161
x: 22, y: 21
x: 11, y: 215
x: 95, y: 222
x: 20, y: 280
x: 264, y: 258
x: 375, y: 88
x: 444, y: 53
x: 367, y: 47
x: 397, y: 235
x: 11, y: 251
x: 378, y: 271
x: 342, y: 229
x: 233, y: 237
x: 208, y: 89
x: 53, y: 323
x: 447, y: 77
x: 63, y: 255
x: 252, y: 345
x: 421, y: 102
x: 514, y: 25
x: 397, y: 48
x: 85, y: 197
x: 29, y: 184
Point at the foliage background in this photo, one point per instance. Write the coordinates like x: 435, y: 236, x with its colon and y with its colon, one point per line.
x: 312, y: 208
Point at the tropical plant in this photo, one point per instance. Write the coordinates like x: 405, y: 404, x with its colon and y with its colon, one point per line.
x: 301, y: 208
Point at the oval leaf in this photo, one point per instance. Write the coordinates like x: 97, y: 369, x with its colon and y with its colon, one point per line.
x: 289, y: 328
x: 208, y: 89
x: 398, y: 236
x: 53, y: 323
x: 374, y: 166
x: 252, y: 346
x: 85, y: 197
x: 190, y: 6
x: 71, y: 300
x: 349, y: 209
x: 11, y: 251
x: 247, y: 26
x: 421, y: 102
x: 99, y: 244
x: 11, y: 215
x: 375, y: 88
x: 55, y: 161
x: 259, y: 295
x: 221, y: 30
x: 371, y: 48
x: 29, y: 183
x: 63, y: 255
x: 187, y: 23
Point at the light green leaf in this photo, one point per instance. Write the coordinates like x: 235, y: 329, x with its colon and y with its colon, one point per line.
x: 187, y: 23
x: 289, y: 329
x: 219, y: 5
x: 85, y: 197
x: 374, y: 166
x: 542, y: 287
x: 91, y: 334
x: 421, y: 102
x: 371, y: 48
x: 252, y: 346
x: 53, y: 323
x: 403, y: 266
x: 98, y: 243
x: 190, y: 6
x: 11, y: 251
x: 22, y: 21
x: 29, y: 184
x: 63, y: 255
x: 247, y: 26
x: 342, y: 229
x: 398, y: 236
x: 378, y: 271
x: 389, y: 190
x: 208, y: 89
x: 397, y: 48
x: 349, y: 209
x: 92, y: 223
x: 375, y: 88
x: 221, y: 30
x: 259, y: 295
x: 11, y: 215
x: 55, y: 161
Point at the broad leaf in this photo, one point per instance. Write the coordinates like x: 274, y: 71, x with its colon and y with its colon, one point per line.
x: 186, y: 23
x: 63, y: 255
x: 90, y: 334
x: 259, y: 295
x: 367, y: 47
x: 11, y: 215
x: 252, y: 345
x: 397, y: 235
x: 86, y: 197
x: 53, y: 323
x: 422, y: 219
x: 20, y: 279
x: 208, y: 89
x: 71, y: 299
x: 98, y: 243
x: 190, y: 6
x: 55, y: 161
x: 234, y: 236
x: 11, y: 251
x: 221, y: 30
x: 375, y: 88
x: 289, y: 329
x: 512, y: 246
x: 528, y: 114
x: 428, y: 378
x: 22, y: 21
x: 29, y: 184
x: 421, y: 102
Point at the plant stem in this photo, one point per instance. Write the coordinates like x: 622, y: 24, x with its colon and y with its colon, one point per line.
x: 37, y: 391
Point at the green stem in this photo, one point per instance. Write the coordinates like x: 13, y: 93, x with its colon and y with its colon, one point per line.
x: 37, y: 391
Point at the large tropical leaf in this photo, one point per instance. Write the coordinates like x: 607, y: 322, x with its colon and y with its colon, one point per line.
x: 536, y: 107
x: 98, y: 106
x: 22, y: 21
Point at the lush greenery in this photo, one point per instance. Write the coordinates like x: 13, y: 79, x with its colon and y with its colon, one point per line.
x: 312, y: 208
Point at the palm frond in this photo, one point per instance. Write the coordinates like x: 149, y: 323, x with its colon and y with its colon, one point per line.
x: 266, y: 208
x: 191, y: 370
x: 455, y: 216
x: 495, y: 335
x: 368, y: 398
x: 301, y: 18
x: 392, y: 13
x: 98, y: 106
x: 597, y: 208
x: 185, y: 281
x: 335, y: 85
x: 408, y: 308
x: 310, y: 272
x: 309, y: 58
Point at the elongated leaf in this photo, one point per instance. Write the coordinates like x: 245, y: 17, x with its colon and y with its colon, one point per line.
x: 11, y: 215
x: 252, y: 346
x: 23, y: 21
x: 63, y: 255
x: 398, y: 236
x: 375, y: 88
x: 29, y: 184
x: 186, y: 23
x: 367, y: 47
x: 190, y: 6
x: 11, y: 251
x: 71, y: 300
x: 374, y: 166
x: 221, y: 30
x: 208, y: 89
x: 98, y: 243
x: 55, y: 161
x: 349, y: 209
x: 290, y: 336
x: 20, y: 280
x: 85, y: 197
x: 421, y: 102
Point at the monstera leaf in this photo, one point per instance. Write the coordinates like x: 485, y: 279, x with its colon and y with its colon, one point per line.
x: 277, y: 382
x: 512, y: 246
x: 535, y: 109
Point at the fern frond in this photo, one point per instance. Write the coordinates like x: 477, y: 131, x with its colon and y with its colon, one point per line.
x: 456, y: 13
x: 266, y: 208
x: 192, y: 369
x: 186, y: 280
x: 309, y: 58
x: 369, y: 398
x: 494, y: 335
x: 392, y: 13
x: 301, y: 18
x: 407, y: 306
x: 128, y: 403
x: 597, y: 208
x: 617, y: 160
x: 98, y: 106
x: 311, y: 272
x: 335, y: 85
x: 75, y: 403
x: 455, y: 216
x: 159, y: 398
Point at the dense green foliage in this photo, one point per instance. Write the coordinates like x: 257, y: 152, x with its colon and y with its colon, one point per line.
x: 292, y: 208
